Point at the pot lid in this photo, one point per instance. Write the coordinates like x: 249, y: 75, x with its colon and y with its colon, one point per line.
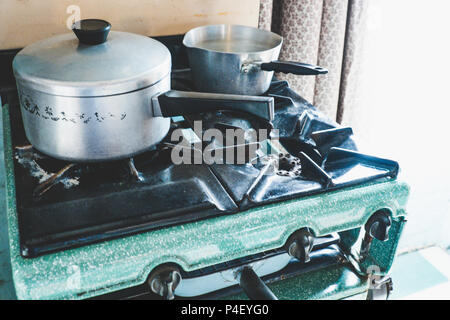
x: 98, y: 63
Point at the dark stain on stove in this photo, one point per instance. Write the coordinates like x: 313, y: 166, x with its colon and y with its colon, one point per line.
x: 122, y: 116
x: 2, y: 282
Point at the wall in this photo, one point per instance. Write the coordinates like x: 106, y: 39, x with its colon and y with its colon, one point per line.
x: 404, y: 108
x: 25, y: 21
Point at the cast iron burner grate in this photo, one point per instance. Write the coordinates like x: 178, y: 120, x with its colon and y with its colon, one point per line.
x: 63, y: 205
x: 312, y: 154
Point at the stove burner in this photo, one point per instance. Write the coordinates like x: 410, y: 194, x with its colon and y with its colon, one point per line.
x: 288, y: 165
x: 305, y: 153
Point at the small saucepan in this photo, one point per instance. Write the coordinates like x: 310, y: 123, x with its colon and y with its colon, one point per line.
x: 236, y: 59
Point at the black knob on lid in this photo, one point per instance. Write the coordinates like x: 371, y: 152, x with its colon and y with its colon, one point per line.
x: 91, y: 31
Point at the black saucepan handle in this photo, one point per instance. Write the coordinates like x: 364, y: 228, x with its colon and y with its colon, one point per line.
x: 297, y: 68
x: 179, y: 103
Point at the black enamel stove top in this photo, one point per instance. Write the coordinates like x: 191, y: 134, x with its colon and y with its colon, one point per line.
x: 62, y: 205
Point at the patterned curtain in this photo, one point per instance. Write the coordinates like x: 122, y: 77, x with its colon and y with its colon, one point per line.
x: 324, y: 32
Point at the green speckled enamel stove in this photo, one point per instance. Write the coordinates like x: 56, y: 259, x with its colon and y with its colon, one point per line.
x: 325, y: 225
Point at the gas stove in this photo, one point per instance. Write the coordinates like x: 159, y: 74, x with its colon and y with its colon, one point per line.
x: 145, y: 227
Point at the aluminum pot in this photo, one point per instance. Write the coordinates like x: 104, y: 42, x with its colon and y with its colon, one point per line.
x: 106, y: 95
x: 238, y: 59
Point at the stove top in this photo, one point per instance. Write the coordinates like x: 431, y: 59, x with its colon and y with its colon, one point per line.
x: 63, y: 205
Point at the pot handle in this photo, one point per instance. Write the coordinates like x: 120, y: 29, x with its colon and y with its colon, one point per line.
x: 179, y: 103
x: 297, y: 68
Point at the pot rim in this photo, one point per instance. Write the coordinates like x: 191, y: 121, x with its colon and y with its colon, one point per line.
x: 68, y: 91
x: 189, y: 45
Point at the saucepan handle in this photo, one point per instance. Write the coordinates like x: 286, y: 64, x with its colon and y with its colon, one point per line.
x: 179, y: 103
x: 297, y: 68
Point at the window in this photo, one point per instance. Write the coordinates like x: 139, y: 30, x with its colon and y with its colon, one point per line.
x: 404, y: 111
